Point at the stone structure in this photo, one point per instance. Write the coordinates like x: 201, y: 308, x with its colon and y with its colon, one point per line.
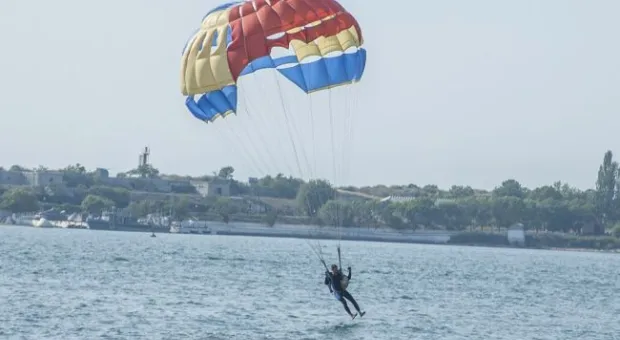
x: 36, y: 178
x: 12, y: 178
x: 33, y: 178
x: 214, y: 187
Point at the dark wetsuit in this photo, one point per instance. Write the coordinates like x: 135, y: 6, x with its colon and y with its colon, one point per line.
x: 333, y: 282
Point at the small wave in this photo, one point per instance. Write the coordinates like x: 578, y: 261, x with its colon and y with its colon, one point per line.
x: 217, y: 258
x: 414, y: 328
x: 376, y: 271
x: 120, y: 259
x: 342, y: 327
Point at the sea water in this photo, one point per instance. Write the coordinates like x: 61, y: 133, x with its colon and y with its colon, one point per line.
x: 81, y: 284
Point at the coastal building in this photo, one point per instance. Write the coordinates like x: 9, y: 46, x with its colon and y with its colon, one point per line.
x: 33, y: 178
x: 162, y: 185
x: 398, y: 199
x: 402, y: 199
x: 134, y: 182
x: 347, y: 195
x: 44, y: 177
x: 8, y: 177
x: 516, y: 235
x: 102, y: 173
x: 214, y: 187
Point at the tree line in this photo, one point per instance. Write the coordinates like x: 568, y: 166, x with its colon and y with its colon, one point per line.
x: 554, y: 207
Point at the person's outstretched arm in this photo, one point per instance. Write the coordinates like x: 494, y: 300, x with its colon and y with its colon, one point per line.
x: 349, y: 276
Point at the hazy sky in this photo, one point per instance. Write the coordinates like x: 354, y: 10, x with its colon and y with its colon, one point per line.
x: 455, y: 92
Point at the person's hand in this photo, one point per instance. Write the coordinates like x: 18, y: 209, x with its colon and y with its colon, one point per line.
x: 349, y: 268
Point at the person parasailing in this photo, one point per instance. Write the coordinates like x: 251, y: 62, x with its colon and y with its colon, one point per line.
x: 239, y: 39
x: 337, y: 284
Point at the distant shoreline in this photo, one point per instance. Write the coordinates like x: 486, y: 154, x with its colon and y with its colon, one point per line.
x: 559, y: 249
x: 543, y: 241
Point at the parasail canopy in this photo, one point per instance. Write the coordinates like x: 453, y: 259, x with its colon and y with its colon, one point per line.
x: 319, y: 48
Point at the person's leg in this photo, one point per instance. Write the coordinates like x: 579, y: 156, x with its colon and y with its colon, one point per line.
x: 348, y: 296
x: 344, y: 303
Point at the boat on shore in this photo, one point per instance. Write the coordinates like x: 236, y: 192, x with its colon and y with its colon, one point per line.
x: 111, y: 221
x: 190, y: 227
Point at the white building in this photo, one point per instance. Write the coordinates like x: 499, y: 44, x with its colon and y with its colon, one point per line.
x: 516, y: 235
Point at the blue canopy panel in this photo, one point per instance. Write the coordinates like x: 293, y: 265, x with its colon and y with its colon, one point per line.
x: 214, y: 104
x: 318, y: 75
x: 220, y: 103
x: 327, y: 72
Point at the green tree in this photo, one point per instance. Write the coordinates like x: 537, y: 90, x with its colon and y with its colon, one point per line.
x: 237, y: 188
x: 119, y: 196
x: 337, y: 213
x: 453, y: 216
x: 507, y: 210
x: 509, y: 188
x: 390, y: 215
x: 19, y: 200
x: 531, y: 216
x: 615, y: 231
x: 457, y: 191
x: 606, y: 187
x: 313, y: 195
x: 278, y: 186
x: 144, y: 171
x: 181, y: 208
x: 77, y: 168
x: 477, y: 210
x: 365, y: 213
x: 143, y: 208
x: 59, y: 194
x: 18, y: 168
x: 226, y: 172
x: 224, y: 207
x: 545, y: 192
x: 430, y: 190
x: 418, y: 212
x: 94, y: 204
x: 76, y: 175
